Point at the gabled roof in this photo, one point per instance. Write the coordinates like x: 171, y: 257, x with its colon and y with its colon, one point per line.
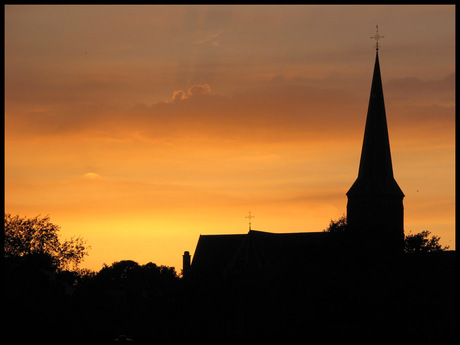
x: 213, y: 252
x: 257, y: 251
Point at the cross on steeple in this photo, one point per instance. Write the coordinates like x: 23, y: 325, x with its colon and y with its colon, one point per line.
x: 376, y: 37
x: 249, y: 217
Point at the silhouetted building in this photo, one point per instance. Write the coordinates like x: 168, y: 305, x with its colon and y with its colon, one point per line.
x: 374, y: 216
x: 375, y: 212
x: 259, y: 251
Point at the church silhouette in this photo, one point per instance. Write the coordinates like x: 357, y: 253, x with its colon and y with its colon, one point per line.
x: 375, y: 218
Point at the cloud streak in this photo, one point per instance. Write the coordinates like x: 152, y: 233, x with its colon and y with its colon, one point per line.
x: 282, y: 110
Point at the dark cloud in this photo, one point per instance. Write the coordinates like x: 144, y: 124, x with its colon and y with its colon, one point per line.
x: 282, y: 112
x: 279, y: 110
x: 421, y: 91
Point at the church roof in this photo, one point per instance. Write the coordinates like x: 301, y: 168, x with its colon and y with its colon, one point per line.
x: 214, y: 252
x: 375, y: 169
x: 256, y: 251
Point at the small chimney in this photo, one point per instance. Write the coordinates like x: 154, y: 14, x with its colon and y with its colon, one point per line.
x: 185, y: 264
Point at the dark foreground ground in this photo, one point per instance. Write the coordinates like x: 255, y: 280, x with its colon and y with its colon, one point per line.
x: 411, y: 299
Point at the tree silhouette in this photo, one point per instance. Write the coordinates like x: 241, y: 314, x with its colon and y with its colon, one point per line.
x: 337, y: 226
x: 129, y: 275
x: 38, y: 237
x: 420, y: 243
x: 416, y: 243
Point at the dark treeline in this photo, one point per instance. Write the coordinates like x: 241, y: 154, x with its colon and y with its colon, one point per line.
x: 346, y: 296
x: 66, y: 306
x: 408, y: 299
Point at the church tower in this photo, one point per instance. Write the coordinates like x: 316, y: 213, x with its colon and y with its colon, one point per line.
x: 375, y: 212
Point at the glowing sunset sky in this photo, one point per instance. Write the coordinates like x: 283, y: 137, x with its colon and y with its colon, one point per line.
x: 141, y: 127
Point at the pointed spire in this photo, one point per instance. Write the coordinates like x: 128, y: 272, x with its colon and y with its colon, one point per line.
x: 375, y: 211
x: 375, y: 168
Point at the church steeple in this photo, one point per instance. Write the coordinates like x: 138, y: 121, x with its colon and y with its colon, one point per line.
x: 375, y: 169
x: 375, y: 207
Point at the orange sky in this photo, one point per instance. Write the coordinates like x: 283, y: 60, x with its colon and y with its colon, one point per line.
x: 141, y: 127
